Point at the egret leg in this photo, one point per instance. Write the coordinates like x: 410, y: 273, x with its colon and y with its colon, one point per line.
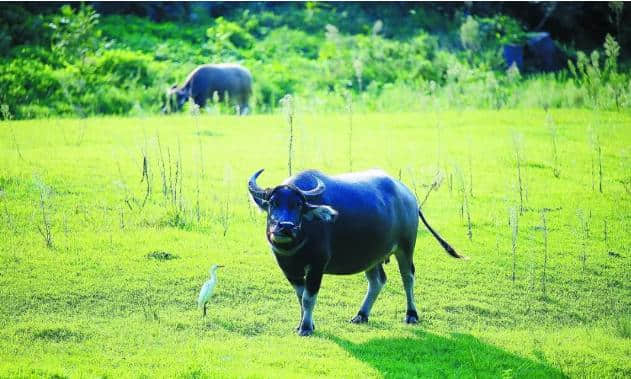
x: 204, y: 309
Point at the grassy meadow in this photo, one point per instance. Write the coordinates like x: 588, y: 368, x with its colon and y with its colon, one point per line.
x: 108, y: 227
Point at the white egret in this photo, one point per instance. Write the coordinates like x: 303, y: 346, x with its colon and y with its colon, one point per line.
x: 207, y: 289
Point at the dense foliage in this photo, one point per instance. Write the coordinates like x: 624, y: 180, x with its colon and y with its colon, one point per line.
x: 73, y: 61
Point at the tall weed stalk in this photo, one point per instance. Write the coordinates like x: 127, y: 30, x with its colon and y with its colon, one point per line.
x: 596, y: 159
x: 438, y: 180
x: 225, y: 213
x: 583, y: 226
x: 349, y: 109
x: 162, y: 167
x: 514, y: 225
x: 146, y: 172
x: 287, y: 102
x: 465, y: 203
x: 517, y: 146
x: 44, y: 227
x: 553, y: 130
x: 545, y: 253
x: 7, y: 116
x: 200, y: 175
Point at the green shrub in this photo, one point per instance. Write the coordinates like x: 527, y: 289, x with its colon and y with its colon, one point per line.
x: 36, y: 53
x: 283, y: 42
x: 34, y: 111
x: 74, y: 34
x: 226, y: 39
x: 275, y: 79
x: 26, y: 82
x: 484, y: 37
x: 109, y: 100
x: 75, y: 62
x: 125, y: 67
x: 604, y: 85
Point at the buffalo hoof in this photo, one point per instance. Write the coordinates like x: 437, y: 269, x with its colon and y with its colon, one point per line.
x: 411, y: 317
x: 360, y: 319
x: 305, y: 332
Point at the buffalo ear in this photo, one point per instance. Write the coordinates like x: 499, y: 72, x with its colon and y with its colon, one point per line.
x: 323, y: 212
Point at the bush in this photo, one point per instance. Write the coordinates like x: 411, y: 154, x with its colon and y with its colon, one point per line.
x: 605, y: 86
x: 34, y: 111
x: 36, y: 53
x: 25, y: 81
x: 226, y: 39
x: 78, y: 63
x: 125, y: 67
x: 108, y: 100
x: 284, y: 42
x: 74, y: 34
x: 275, y: 79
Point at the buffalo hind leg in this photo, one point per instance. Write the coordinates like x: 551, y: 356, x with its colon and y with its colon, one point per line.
x: 376, y: 280
x: 242, y: 106
x: 406, y: 268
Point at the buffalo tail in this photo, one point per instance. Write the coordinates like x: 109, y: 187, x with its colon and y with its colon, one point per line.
x: 450, y: 250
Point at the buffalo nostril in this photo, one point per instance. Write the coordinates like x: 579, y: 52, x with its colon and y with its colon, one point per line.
x: 285, y: 228
x: 281, y: 231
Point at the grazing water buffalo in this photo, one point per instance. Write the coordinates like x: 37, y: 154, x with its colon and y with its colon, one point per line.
x: 344, y: 224
x: 206, y: 80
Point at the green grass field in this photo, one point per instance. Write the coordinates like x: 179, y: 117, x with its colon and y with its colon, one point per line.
x: 115, y: 293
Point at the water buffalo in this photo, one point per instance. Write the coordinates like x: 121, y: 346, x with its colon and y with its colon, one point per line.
x: 206, y: 80
x: 344, y: 224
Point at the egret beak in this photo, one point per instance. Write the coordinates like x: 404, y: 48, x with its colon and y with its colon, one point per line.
x: 220, y: 266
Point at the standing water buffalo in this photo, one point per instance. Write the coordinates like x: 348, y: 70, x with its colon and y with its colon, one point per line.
x: 206, y: 80
x: 344, y: 224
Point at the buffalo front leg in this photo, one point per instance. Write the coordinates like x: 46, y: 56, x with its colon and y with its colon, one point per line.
x: 200, y: 100
x: 309, y: 297
x: 299, y: 287
x: 376, y: 280
x: 307, y: 325
x: 244, y: 109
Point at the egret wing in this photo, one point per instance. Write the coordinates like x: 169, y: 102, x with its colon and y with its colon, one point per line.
x: 204, y: 294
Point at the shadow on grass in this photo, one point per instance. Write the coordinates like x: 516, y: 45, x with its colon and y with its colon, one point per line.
x: 457, y: 356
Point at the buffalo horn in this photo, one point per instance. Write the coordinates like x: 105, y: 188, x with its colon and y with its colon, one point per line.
x: 255, y: 190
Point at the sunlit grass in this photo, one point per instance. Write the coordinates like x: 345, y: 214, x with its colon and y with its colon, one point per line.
x: 104, y: 301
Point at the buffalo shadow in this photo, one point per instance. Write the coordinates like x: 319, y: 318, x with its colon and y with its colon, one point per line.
x: 426, y: 355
